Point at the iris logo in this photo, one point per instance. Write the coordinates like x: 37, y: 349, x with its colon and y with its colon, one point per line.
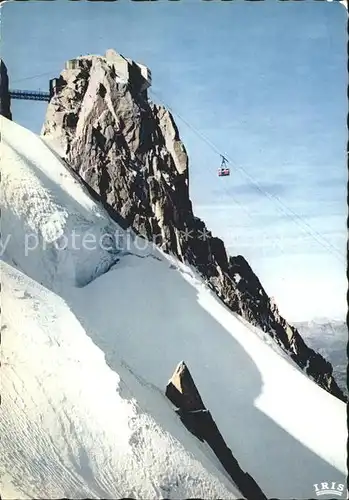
x: 333, y: 488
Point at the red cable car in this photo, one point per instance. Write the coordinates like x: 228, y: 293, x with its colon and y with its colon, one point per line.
x: 223, y: 171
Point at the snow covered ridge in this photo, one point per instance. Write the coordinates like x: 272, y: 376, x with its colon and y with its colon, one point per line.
x: 85, y: 368
x: 62, y: 231
x: 128, y: 150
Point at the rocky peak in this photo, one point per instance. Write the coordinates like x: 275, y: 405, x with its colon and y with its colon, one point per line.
x: 5, y: 100
x: 129, y: 152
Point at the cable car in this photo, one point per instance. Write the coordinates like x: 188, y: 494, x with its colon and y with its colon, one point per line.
x: 223, y: 171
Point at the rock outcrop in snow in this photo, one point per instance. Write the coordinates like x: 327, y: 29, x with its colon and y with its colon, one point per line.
x: 129, y: 151
x: 183, y: 393
x: 5, y: 101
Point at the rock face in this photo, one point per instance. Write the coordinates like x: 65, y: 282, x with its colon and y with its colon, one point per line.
x: 128, y: 150
x: 5, y: 101
x: 183, y: 393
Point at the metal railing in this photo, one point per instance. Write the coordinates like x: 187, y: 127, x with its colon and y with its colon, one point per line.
x: 30, y: 95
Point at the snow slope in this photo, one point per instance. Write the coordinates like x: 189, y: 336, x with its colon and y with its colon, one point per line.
x: 72, y: 427
x: 88, y: 354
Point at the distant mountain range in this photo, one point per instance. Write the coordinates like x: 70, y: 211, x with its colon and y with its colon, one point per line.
x: 329, y: 338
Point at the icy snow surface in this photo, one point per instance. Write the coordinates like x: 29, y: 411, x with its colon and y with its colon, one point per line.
x: 90, y: 337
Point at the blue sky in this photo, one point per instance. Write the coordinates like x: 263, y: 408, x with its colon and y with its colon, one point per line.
x: 264, y: 82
